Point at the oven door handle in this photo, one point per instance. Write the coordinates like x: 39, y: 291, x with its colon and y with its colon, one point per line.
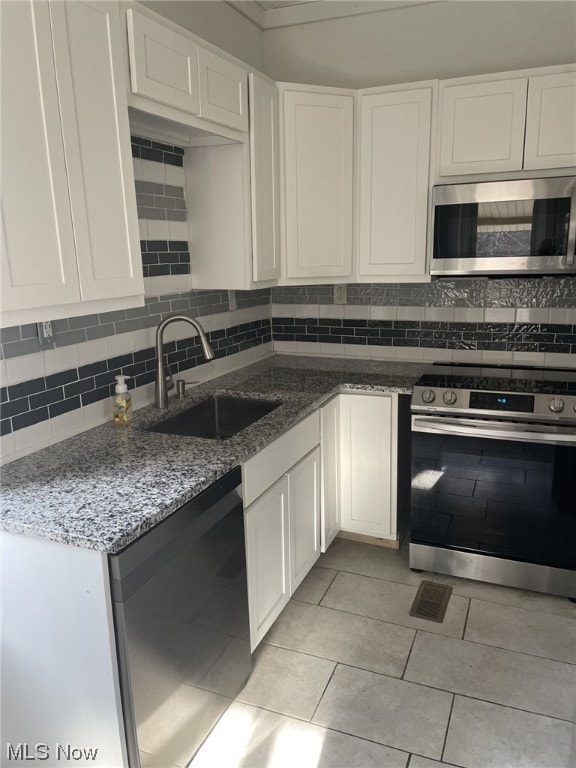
x: 529, y: 433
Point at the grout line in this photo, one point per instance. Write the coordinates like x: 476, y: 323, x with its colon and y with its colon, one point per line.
x: 324, y: 691
x: 497, y: 647
x: 447, y: 728
x: 340, y: 663
x: 466, y: 619
x: 409, y: 654
x: 327, y: 728
x: 423, y: 575
x: 510, y: 706
x: 484, y: 701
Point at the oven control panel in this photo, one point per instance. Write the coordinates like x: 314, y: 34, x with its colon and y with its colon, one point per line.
x: 464, y: 401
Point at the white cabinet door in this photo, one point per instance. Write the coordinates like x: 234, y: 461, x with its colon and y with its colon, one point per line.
x: 88, y: 55
x: 267, y: 557
x: 223, y: 91
x: 318, y: 183
x: 38, y: 250
x: 330, y: 442
x: 551, y: 121
x: 264, y: 178
x: 394, y: 172
x: 482, y: 126
x: 163, y: 64
x: 304, y: 499
x: 69, y: 222
x: 368, y: 458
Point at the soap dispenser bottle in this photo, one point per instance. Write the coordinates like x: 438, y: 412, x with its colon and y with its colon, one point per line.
x: 122, y: 401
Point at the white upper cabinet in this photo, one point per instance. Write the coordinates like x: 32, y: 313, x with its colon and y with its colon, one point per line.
x: 97, y: 139
x: 551, y: 121
x: 163, y: 64
x: 482, y: 126
x: 223, y: 91
x: 70, y: 229
x: 170, y: 68
x: 264, y: 178
x: 318, y: 150
x: 38, y: 251
x: 395, y: 131
x: 514, y: 124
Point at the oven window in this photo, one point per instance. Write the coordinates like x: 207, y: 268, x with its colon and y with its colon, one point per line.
x: 497, y: 497
x: 502, y: 229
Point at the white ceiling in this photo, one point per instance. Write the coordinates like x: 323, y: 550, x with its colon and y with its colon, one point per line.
x: 271, y: 14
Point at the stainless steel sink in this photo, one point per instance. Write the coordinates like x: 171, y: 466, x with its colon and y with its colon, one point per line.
x: 217, y: 417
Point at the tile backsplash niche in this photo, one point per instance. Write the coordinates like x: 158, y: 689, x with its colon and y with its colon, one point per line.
x: 516, y: 320
x: 52, y: 392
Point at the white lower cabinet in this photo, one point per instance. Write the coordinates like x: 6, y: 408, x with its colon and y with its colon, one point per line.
x: 267, y: 558
x: 304, y: 513
x: 330, y: 491
x: 359, y: 447
x: 281, y: 487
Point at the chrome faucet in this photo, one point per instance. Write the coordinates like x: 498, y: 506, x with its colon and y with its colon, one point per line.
x: 161, y: 392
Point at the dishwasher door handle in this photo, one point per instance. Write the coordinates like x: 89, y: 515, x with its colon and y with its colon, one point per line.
x: 526, y: 432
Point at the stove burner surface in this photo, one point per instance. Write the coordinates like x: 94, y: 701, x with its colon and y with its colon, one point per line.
x: 500, y: 379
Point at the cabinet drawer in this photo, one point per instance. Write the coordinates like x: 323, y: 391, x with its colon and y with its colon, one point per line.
x: 262, y: 470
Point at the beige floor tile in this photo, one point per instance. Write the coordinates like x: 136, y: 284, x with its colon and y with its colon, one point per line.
x: 503, y: 677
x: 485, y: 735
x: 354, y: 640
x: 531, y: 601
x: 286, y: 682
x: 392, y: 712
x: 247, y: 737
x: 314, y: 586
x: 389, y: 601
x: 370, y: 560
x: 540, y: 634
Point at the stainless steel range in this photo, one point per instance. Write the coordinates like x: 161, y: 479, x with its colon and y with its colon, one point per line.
x: 494, y: 475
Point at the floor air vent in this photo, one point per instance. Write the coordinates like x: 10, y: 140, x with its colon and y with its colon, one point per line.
x: 431, y: 601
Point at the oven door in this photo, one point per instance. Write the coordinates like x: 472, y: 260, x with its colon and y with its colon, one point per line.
x: 495, y: 488
x: 504, y: 227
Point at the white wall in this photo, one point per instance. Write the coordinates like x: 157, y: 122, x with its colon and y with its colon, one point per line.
x: 218, y: 23
x: 445, y: 39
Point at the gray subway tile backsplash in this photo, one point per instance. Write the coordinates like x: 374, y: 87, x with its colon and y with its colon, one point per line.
x: 458, y: 292
x: 157, y: 152
x: 38, y: 399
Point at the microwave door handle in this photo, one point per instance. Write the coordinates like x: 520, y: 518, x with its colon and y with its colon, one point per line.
x: 529, y: 433
x: 571, y: 248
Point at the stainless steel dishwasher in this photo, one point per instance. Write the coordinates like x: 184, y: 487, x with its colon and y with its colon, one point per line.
x: 181, y: 614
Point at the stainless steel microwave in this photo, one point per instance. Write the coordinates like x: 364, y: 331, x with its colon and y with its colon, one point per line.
x: 504, y: 228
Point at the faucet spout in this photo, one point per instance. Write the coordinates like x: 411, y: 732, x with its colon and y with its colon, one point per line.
x: 161, y: 391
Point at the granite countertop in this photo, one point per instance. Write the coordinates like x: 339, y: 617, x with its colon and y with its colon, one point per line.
x: 102, y: 489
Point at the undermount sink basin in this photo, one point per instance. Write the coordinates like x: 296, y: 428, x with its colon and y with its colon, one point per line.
x: 217, y: 417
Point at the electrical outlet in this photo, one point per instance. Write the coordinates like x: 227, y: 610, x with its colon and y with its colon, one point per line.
x: 45, y: 335
x: 232, y: 300
x: 340, y: 294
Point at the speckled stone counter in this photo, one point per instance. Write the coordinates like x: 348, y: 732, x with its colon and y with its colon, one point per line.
x: 104, y: 488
